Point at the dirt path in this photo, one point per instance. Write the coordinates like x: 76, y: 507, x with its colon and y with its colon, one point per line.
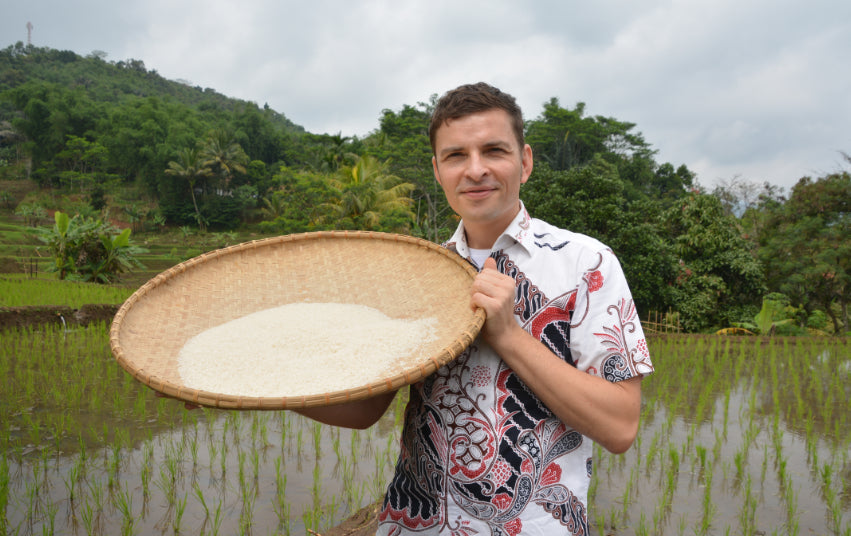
x: 364, y: 522
x: 18, y: 317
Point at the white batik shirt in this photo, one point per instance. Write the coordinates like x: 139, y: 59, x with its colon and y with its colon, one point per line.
x: 480, y: 454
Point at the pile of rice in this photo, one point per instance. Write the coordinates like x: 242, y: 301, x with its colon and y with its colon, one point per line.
x: 302, y: 349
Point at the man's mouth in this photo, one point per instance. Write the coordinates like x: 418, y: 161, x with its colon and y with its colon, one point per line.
x: 478, y: 192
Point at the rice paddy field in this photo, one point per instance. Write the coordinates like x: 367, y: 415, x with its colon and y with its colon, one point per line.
x: 745, y: 436
x: 17, y: 291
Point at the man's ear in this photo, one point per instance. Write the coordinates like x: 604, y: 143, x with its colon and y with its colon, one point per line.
x: 436, y: 172
x: 526, y: 162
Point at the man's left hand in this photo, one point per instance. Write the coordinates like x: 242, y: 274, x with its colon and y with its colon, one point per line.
x: 494, y: 292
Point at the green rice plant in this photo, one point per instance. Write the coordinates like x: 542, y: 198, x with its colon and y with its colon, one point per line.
x: 217, y: 520
x: 246, y: 515
x: 235, y: 427
x: 241, y: 455
x: 70, y: 481
x: 199, y: 494
x: 791, y: 500
x: 700, y: 450
x: 223, y: 459
x: 279, y: 501
x: 642, y: 529
x: 601, y: 523
x: 255, y: 464
x: 31, y: 496
x: 179, y: 510
x: 739, y: 461
x: 747, y: 513
x: 834, y: 512
x: 87, y: 515
x: 96, y: 494
x: 166, y: 482
x: 36, y: 292
x: 311, y: 518
x: 708, y: 508
x: 124, y: 502
x: 316, y: 488
x: 49, y: 526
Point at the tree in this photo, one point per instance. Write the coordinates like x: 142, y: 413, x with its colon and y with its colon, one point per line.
x: 190, y: 166
x: 590, y: 199
x: 806, y: 250
x: 565, y: 138
x: 402, y: 139
x: 223, y: 156
x: 80, y: 160
x: 298, y: 203
x: 720, y: 280
x: 365, y: 194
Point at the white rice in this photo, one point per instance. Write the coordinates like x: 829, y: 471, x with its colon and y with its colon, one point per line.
x: 302, y: 349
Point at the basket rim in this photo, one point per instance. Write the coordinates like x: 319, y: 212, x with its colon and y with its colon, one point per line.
x: 226, y: 401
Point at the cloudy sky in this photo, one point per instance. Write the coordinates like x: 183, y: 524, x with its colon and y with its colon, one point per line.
x: 758, y: 90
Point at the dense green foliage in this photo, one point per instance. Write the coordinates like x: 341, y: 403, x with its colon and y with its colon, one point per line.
x: 88, y: 249
x: 120, y: 142
x: 805, y: 247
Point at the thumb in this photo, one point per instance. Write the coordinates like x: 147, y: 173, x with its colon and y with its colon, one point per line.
x: 490, y: 263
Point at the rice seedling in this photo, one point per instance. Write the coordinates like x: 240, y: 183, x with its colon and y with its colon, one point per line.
x: 88, y: 517
x: 180, y: 508
x: 124, y: 502
x: 217, y: 520
x: 317, y: 439
x: 199, y: 494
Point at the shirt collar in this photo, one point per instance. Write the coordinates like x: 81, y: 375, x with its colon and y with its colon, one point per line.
x: 518, y: 232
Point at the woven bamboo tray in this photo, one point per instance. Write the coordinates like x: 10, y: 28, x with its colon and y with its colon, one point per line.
x: 402, y: 276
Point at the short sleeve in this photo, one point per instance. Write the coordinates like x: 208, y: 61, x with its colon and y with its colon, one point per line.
x: 606, y: 338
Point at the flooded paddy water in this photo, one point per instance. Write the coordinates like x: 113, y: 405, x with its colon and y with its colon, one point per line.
x: 738, y: 436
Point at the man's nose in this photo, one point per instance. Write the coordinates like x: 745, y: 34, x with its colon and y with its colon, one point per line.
x: 476, y: 166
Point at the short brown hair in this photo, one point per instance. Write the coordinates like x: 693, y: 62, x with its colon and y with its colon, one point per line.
x: 474, y: 98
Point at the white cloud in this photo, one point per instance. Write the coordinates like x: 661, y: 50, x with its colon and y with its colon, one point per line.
x: 756, y: 89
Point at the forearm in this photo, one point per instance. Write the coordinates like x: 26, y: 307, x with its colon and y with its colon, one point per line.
x: 607, y: 412
x: 360, y: 414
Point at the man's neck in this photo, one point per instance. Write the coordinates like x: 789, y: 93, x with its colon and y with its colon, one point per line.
x: 478, y: 240
x: 484, y: 236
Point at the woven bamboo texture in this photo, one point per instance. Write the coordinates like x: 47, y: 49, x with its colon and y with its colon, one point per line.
x: 402, y: 276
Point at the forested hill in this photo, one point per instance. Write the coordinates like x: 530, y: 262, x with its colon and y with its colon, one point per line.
x: 111, y: 138
x: 111, y: 81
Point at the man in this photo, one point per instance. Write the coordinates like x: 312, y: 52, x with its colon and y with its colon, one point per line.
x: 500, y: 440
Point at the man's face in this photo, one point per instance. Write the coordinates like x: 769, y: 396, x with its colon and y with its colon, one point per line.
x: 480, y: 165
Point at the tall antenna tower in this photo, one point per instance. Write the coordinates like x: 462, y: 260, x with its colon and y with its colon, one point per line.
x: 29, y: 33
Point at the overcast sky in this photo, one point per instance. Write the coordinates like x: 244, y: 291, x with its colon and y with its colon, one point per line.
x: 755, y: 89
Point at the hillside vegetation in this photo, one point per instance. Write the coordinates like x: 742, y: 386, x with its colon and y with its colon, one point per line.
x: 187, y: 169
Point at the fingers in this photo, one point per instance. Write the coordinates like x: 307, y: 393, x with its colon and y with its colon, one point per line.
x: 491, y: 289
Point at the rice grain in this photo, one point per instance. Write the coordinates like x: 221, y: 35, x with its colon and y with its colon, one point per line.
x: 302, y: 349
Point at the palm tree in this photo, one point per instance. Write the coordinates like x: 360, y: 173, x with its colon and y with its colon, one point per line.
x: 365, y: 192
x: 190, y: 166
x: 274, y: 205
x: 224, y: 156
